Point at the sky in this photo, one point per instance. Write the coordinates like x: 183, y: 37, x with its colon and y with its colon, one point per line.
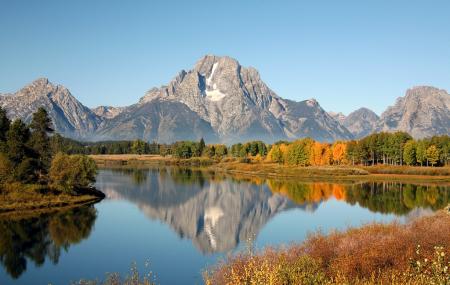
x: 346, y: 54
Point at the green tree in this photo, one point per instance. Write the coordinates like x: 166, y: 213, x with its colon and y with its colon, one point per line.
x: 421, y: 152
x: 276, y: 154
x: 409, y: 152
x: 201, y: 146
x: 139, y: 147
x: 5, y: 168
x: 236, y: 149
x: 432, y: 155
x: 4, y: 127
x: 183, y: 149
x: 298, y: 152
x: 220, y: 150
x: 17, y: 139
x: 41, y: 126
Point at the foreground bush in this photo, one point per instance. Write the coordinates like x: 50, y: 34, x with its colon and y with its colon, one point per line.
x: 372, y: 254
x: 134, y: 278
x: 71, y: 172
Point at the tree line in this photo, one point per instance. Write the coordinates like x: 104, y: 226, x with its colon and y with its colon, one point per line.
x: 27, y: 155
x: 384, y: 148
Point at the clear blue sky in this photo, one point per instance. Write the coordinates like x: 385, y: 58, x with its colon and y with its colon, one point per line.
x: 346, y: 54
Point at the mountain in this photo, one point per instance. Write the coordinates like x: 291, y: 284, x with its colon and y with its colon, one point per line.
x: 338, y: 116
x: 361, y: 122
x: 239, y: 106
x: 222, y: 101
x: 107, y: 112
x: 160, y: 120
x: 218, y: 99
x: 424, y: 111
x: 69, y: 116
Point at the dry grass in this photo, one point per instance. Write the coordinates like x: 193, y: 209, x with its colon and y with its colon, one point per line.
x: 15, y: 198
x: 408, y: 170
x: 372, y: 254
x: 261, y: 168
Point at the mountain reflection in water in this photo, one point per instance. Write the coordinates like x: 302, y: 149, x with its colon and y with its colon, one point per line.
x: 217, y: 212
x: 211, y: 214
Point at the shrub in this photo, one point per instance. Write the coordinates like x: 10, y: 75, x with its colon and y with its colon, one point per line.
x: 72, y: 171
x: 25, y: 172
x: 372, y: 254
x: 5, y: 168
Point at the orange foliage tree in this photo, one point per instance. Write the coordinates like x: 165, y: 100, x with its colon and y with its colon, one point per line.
x: 339, y: 151
x: 320, y: 154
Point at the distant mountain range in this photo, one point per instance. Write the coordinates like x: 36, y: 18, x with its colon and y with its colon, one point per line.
x: 222, y: 101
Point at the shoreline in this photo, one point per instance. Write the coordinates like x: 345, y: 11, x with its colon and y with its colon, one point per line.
x: 342, y: 173
x: 26, y: 200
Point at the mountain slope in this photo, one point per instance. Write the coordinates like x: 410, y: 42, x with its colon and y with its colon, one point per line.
x: 159, y: 120
x: 361, y: 122
x: 69, y: 116
x: 424, y: 111
x: 240, y: 106
x: 107, y: 112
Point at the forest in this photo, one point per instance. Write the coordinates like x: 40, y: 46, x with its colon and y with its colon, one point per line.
x: 384, y: 148
x: 26, y: 156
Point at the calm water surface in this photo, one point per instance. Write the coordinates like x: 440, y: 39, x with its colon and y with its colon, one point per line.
x: 175, y: 222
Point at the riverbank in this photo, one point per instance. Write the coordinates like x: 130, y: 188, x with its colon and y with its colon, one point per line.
x: 274, y: 170
x: 413, y: 253
x: 19, y: 199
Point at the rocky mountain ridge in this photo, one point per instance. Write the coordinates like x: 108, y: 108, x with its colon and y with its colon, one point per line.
x: 222, y: 101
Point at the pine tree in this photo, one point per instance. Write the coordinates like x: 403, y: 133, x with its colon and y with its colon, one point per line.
x: 41, y: 127
x: 4, y: 124
x: 201, y: 146
x: 17, y: 139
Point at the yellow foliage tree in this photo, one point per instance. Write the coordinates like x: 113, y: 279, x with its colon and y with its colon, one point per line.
x: 339, y: 152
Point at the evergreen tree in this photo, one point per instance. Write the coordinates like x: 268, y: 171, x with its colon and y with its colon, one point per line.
x: 17, y: 139
x: 41, y: 127
x: 201, y: 146
x: 4, y: 124
x: 4, y: 127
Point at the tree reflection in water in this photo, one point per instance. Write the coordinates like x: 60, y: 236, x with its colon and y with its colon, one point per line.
x: 37, y: 238
x: 381, y: 197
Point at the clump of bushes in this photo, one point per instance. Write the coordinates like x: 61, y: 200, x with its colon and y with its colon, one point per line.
x: 70, y: 172
x: 372, y: 254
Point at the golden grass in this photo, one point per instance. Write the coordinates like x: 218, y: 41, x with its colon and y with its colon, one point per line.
x: 409, y: 170
x: 372, y: 254
x: 18, y: 198
x: 261, y: 168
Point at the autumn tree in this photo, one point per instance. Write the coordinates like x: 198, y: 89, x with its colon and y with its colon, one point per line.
x: 409, y: 152
x: 275, y: 154
x: 339, y: 152
x: 432, y: 155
